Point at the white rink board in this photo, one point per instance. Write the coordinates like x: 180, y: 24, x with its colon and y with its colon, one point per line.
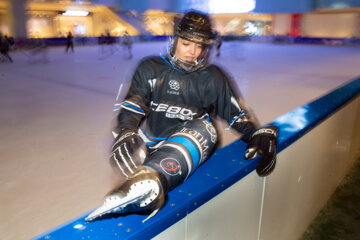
x: 234, y: 212
x: 307, y: 173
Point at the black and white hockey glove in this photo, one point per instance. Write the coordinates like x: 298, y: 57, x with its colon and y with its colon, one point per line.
x: 263, y: 142
x: 128, y: 152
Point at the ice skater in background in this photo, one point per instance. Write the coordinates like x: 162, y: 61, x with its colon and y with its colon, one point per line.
x: 69, y: 42
x: 5, y: 43
x: 127, y: 43
x: 177, y: 95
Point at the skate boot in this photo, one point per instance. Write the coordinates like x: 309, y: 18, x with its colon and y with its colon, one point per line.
x: 144, y: 190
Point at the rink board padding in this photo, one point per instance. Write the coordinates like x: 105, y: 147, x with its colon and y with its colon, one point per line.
x: 223, y: 169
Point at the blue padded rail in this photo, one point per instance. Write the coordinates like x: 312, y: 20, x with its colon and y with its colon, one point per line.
x: 299, y: 121
x: 224, y: 168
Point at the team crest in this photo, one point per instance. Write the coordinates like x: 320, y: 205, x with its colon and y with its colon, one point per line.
x: 174, y: 85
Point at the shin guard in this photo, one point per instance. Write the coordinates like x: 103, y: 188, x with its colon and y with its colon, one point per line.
x: 184, y: 151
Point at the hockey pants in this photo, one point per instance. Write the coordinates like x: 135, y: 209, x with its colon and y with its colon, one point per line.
x: 184, y: 151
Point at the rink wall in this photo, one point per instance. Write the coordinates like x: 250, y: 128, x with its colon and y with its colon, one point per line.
x: 225, y: 199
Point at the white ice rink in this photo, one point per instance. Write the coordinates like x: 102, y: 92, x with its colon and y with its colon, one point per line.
x: 55, y: 118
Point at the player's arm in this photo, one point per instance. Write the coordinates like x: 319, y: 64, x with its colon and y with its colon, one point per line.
x: 260, y: 140
x: 135, y: 106
x: 128, y: 147
x: 230, y: 106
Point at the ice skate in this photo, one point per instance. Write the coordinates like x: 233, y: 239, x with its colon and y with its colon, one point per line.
x: 142, y: 191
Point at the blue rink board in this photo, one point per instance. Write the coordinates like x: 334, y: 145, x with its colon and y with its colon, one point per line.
x: 224, y: 168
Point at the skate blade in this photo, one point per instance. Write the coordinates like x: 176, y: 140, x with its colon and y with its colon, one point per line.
x: 111, y: 205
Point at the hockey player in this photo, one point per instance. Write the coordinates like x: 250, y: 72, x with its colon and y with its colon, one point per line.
x: 177, y: 95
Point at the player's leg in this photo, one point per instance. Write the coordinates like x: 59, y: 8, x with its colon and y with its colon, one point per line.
x: 184, y: 151
x: 163, y: 170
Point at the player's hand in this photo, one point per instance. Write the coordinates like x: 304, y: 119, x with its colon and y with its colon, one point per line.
x: 128, y: 152
x: 263, y: 142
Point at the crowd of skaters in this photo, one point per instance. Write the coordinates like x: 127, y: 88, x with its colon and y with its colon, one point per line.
x: 35, y: 47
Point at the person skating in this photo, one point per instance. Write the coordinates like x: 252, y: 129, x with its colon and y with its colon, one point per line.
x: 69, y: 42
x: 5, y: 47
x: 177, y: 95
x: 127, y: 44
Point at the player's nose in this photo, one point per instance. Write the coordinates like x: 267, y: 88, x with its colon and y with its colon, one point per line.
x: 192, y: 49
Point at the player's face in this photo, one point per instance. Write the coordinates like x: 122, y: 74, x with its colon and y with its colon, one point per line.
x: 187, y: 50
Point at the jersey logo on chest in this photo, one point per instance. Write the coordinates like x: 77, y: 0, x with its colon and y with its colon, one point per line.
x: 174, y: 87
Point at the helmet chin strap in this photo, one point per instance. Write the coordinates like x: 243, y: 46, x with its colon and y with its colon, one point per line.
x: 185, y: 65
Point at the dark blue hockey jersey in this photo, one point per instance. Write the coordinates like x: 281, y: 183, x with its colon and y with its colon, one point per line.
x: 166, y: 97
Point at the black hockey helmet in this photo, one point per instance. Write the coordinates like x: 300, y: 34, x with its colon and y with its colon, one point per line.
x: 196, y: 27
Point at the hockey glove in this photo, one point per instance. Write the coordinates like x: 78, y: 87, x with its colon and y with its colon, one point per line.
x: 263, y: 142
x: 128, y: 152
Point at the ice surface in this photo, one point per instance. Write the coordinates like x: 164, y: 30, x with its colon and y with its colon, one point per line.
x: 55, y: 118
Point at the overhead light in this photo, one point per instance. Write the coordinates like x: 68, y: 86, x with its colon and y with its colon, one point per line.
x: 223, y: 6
x: 75, y: 13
